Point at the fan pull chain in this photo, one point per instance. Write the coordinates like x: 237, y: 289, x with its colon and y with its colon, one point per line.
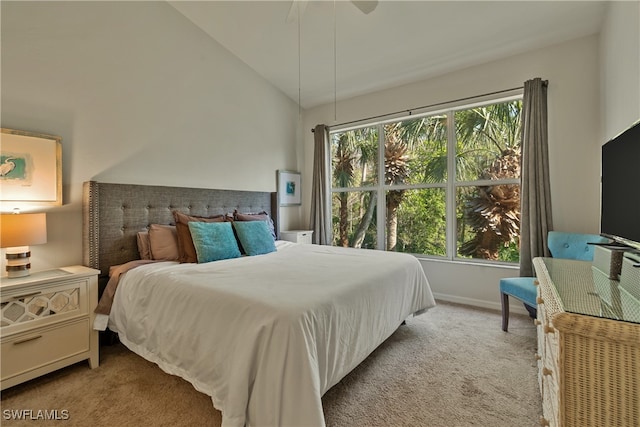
x: 299, y: 70
x: 335, y: 65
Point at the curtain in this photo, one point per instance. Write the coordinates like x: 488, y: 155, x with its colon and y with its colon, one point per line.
x: 320, y: 196
x: 535, y: 192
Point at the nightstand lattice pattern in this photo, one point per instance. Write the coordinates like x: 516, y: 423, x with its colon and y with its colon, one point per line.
x: 31, y: 307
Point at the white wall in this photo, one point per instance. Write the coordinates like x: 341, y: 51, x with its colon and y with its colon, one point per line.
x: 139, y: 95
x: 572, y: 69
x: 620, y: 67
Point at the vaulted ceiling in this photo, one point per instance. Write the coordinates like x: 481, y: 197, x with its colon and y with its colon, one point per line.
x: 334, y: 49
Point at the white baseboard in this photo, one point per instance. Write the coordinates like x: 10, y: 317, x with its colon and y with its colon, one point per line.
x: 515, y: 306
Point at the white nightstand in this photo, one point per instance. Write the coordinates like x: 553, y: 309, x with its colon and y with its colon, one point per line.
x: 47, y: 322
x: 297, y: 236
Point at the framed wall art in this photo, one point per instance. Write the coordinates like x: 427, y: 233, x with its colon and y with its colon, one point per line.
x: 289, y: 188
x: 30, y: 168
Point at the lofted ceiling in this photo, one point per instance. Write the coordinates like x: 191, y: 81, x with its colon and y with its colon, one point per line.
x: 397, y: 43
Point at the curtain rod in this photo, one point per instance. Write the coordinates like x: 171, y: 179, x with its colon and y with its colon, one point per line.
x: 544, y: 82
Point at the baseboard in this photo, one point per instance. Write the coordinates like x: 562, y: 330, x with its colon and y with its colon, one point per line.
x: 514, y: 305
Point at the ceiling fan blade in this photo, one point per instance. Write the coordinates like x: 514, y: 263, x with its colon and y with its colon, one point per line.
x: 366, y: 6
x: 297, y: 8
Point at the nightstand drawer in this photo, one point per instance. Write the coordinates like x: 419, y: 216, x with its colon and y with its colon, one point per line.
x: 297, y: 236
x: 43, y: 304
x: 31, y: 350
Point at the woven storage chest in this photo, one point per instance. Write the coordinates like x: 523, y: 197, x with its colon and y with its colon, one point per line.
x: 588, y: 357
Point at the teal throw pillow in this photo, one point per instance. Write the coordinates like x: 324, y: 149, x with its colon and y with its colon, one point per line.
x: 213, y: 241
x: 255, y: 237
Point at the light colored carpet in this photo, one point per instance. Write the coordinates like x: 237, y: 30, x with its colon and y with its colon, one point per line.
x: 450, y: 367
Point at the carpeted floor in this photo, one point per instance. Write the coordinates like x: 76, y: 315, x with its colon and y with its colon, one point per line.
x: 450, y: 367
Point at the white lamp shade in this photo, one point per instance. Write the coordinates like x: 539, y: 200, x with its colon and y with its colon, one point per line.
x: 23, y: 229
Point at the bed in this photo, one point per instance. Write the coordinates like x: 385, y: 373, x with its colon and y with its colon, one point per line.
x: 265, y: 336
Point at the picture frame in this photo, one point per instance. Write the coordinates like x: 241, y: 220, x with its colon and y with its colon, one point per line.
x: 30, y: 168
x: 289, y: 188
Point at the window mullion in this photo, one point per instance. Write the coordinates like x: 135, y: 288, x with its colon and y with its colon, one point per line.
x: 488, y: 182
x: 381, y: 202
x: 451, y: 186
x: 352, y: 189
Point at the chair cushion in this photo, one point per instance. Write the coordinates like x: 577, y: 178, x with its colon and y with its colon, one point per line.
x: 521, y: 288
x: 573, y: 245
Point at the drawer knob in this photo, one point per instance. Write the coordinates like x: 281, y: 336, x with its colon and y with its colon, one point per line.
x: 24, y: 340
x: 539, y: 300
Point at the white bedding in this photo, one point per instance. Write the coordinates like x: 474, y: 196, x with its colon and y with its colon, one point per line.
x: 266, y: 336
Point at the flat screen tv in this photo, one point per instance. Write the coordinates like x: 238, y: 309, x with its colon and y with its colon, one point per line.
x: 620, y: 205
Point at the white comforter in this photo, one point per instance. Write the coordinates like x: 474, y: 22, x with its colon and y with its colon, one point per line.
x: 267, y: 336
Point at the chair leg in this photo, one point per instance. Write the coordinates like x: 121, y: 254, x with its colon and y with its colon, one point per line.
x: 505, y: 311
x: 532, y: 311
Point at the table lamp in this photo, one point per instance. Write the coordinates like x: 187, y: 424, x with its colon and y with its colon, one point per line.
x: 17, y: 233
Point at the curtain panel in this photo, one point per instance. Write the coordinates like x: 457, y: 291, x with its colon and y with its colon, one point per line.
x: 320, y: 221
x: 535, y: 197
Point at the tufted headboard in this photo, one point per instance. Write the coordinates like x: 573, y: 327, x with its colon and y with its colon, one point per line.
x: 113, y: 214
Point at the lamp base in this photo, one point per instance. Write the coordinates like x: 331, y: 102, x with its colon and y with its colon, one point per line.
x: 18, y: 264
x: 12, y: 274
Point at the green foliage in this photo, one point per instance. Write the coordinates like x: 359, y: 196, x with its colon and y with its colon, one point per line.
x: 510, y: 253
x: 356, y: 204
x: 422, y: 223
x: 487, y: 147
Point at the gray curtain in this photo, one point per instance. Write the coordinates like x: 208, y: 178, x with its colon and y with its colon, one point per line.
x: 320, y: 195
x: 535, y: 193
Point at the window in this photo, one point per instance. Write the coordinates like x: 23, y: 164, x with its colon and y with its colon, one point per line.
x: 445, y: 184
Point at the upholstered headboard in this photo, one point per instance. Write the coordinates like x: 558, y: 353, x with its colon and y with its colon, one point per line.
x: 113, y: 214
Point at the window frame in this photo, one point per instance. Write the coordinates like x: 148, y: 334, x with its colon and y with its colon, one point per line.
x: 450, y: 186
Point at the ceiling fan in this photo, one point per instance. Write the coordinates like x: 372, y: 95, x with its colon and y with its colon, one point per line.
x: 298, y: 6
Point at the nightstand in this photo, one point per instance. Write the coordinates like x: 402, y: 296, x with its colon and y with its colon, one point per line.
x: 47, y: 322
x: 297, y: 236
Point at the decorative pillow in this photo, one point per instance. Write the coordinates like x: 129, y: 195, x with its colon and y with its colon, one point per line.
x: 163, y: 241
x: 213, y: 241
x: 144, y: 245
x: 255, y: 237
x: 186, y: 250
x: 260, y: 216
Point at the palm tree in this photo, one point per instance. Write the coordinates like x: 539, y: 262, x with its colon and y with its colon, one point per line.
x: 492, y: 212
x: 343, y: 176
x: 416, y: 152
x: 396, y: 171
x: 407, y: 160
x: 367, y: 146
x: 366, y: 217
x: 353, y: 154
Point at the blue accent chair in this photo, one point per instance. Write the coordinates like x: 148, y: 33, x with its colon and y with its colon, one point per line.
x: 561, y: 245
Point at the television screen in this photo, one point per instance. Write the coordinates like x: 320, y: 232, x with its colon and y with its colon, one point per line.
x: 620, y: 209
